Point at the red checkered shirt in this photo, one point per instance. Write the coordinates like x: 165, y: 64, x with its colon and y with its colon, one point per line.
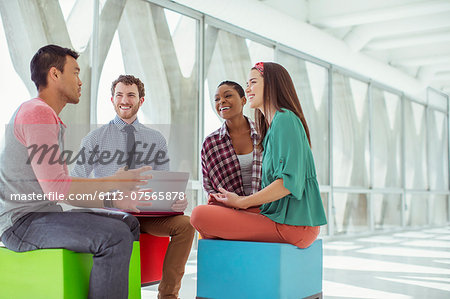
x: 220, y: 164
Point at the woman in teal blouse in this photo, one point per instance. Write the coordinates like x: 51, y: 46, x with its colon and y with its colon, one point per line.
x: 291, y: 208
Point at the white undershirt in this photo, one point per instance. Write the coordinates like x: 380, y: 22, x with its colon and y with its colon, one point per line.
x: 246, y: 163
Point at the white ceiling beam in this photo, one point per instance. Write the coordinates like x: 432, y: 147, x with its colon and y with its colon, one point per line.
x: 408, y: 41
x: 322, y: 9
x: 338, y: 7
x: 395, y: 56
x: 444, y: 76
x: 409, y: 70
x: 431, y: 73
x: 294, y: 8
x: 274, y: 25
x: 365, y: 14
x: 440, y: 83
x: 360, y: 36
x: 422, y: 61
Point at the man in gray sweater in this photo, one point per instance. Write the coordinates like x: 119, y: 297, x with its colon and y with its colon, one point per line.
x: 31, y: 184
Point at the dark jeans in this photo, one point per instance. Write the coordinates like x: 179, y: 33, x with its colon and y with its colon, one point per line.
x: 108, y: 235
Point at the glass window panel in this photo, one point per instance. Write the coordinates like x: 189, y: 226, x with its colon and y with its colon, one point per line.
x: 387, y: 146
x: 211, y: 120
x: 112, y: 69
x: 350, y: 132
x: 259, y: 52
x: 184, y: 34
x: 13, y: 88
x: 66, y: 7
x: 228, y: 57
x: 161, y: 47
x: 194, y: 196
x: 416, y: 211
x: 79, y: 31
x: 350, y: 213
x: 415, y: 146
x: 439, y: 209
x: 39, y: 25
x: 438, y: 149
x: 311, y: 84
x: 158, y: 46
x: 387, y: 209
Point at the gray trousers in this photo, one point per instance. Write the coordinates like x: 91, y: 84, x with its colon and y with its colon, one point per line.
x: 108, y: 235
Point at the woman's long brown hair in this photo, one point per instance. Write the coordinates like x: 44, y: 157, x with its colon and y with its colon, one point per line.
x: 279, y: 91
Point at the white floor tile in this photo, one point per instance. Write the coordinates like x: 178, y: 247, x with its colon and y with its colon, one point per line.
x: 336, y: 289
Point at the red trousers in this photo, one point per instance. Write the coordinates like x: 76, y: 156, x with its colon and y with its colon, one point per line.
x: 219, y: 222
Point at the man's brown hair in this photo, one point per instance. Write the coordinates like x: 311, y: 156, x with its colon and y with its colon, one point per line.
x: 129, y: 80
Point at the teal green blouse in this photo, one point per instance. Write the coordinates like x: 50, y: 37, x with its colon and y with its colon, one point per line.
x: 287, y: 156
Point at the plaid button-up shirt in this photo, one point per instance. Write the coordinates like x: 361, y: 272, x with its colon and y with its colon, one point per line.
x: 220, y: 164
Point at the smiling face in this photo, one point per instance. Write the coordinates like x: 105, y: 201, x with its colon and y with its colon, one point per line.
x: 255, y: 90
x: 126, y: 101
x: 228, y: 103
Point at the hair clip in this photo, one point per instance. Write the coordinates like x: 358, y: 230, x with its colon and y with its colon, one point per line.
x: 260, y: 67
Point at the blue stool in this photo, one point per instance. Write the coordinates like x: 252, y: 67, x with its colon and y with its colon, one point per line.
x: 236, y: 269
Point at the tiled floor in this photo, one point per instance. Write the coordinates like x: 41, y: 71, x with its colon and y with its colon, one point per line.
x: 413, y: 264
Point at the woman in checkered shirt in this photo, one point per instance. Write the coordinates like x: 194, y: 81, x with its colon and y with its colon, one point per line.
x: 230, y: 158
x: 290, y: 207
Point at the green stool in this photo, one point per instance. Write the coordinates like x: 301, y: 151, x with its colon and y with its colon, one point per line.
x: 55, y: 274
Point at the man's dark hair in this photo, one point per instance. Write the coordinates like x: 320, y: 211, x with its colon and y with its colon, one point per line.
x: 129, y: 80
x: 45, y: 58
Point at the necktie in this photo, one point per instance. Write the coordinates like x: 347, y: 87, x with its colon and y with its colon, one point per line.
x: 131, y: 146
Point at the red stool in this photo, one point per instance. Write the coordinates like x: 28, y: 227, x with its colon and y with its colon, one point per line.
x: 153, y: 251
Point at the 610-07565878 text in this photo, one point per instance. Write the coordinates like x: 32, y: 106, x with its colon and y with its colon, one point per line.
x: 141, y: 195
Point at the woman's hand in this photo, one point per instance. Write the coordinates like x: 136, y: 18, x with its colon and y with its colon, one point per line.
x: 212, y: 198
x: 230, y: 199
